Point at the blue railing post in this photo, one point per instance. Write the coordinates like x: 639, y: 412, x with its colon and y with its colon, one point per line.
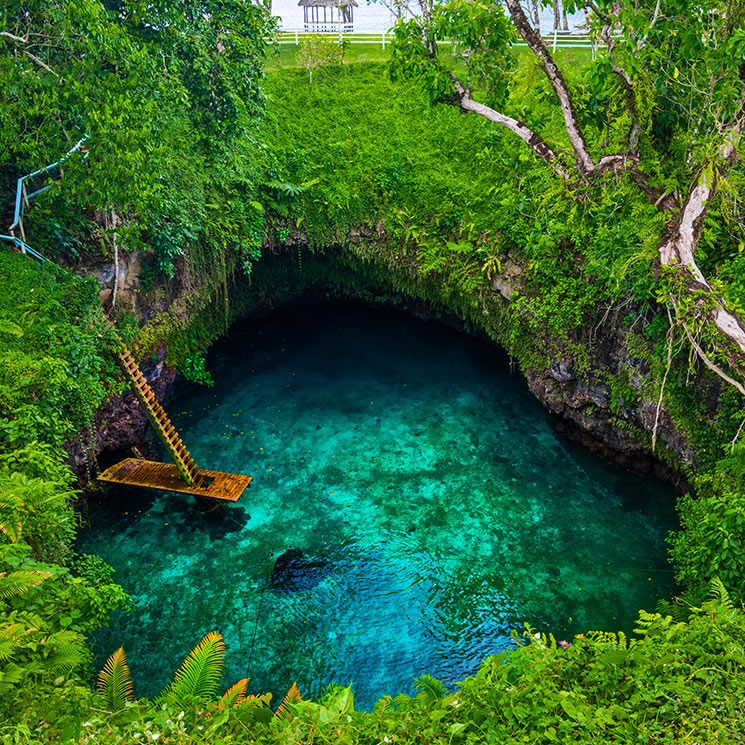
x: 23, y: 197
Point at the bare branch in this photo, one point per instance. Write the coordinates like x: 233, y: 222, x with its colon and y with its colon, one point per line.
x: 635, y: 130
x: 643, y: 41
x: 678, y: 249
x: 737, y: 434
x: 13, y: 37
x: 527, y: 135
x: 594, y: 8
x: 24, y: 40
x: 718, y: 370
x: 40, y: 63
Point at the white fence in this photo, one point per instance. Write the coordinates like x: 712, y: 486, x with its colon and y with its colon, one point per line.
x: 558, y: 40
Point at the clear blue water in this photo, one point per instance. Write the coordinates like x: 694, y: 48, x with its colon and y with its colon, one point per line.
x: 433, y: 503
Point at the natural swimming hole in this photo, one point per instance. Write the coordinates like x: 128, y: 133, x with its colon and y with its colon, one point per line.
x: 421, y: 502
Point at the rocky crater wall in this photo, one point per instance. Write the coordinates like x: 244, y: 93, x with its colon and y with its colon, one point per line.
x: 581, y: 400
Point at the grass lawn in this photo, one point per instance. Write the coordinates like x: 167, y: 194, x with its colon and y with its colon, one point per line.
x: 287, y: 56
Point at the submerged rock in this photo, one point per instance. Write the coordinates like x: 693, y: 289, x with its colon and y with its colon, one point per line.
x: 293, y: 572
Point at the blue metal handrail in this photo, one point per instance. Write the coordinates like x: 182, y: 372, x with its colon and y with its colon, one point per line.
x: 25, y: 248
x: 22, y: 199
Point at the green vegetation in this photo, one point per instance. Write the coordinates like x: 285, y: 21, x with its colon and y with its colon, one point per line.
x: 174, y: 158
x: 674, y: 683
x: 53, y: 373
x: 286, y: 55
x: 357, y: 185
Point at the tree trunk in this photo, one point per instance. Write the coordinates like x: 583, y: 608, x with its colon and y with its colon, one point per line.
x: 116, y: 261
x: 557, y: 15
x: 678, y: 248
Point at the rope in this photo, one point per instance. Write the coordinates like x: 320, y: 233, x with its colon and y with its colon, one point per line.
x: 267, y: 572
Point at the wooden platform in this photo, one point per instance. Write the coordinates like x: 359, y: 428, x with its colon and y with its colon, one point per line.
x: 166, y: 476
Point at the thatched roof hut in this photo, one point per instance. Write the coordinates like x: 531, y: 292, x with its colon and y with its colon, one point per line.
x: 328, y: 15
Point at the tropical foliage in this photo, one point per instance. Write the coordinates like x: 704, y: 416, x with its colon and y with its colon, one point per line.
x: 166, y: 96
x: 675, y: 681
x: 358, y: 186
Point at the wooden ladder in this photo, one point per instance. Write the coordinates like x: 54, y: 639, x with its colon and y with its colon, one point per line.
x: 157, y: 415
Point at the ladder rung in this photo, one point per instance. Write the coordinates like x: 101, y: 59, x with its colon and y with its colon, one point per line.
x: 168, y: 432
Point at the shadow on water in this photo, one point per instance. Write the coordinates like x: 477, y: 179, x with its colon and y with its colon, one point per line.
x: 411, y: 504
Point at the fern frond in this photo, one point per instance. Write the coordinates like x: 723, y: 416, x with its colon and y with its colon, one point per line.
x: 11, y: 675
x: 9, y: 640
x: 17, y: 583
x: 234, y: 695
x: 114, y: 681
x: 200, y: 673
x: 66, y: 657
x: 64, y: 637
x: 291, y: 697
x: 645, y: 620
x: 718, y: 592
x: 10, y: 328
x: 10, y: 518
x: 429, y: 689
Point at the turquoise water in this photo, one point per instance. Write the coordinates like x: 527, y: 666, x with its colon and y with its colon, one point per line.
x: 434, y: 506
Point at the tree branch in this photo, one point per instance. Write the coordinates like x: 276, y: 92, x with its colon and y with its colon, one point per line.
x: 678, y: 249
x: 643, y: 41
x: 715, y: 368
x: 536, y: 143
x: 594, y: 8
x: 13, y: 37
x: 24, y: 40
x: 40, y: 63
x: 585, y: 163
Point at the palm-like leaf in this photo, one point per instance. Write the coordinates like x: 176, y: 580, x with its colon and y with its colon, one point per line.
x: 10, y: 636
x: 11, y: 526
x: 11, y: 675
x: 8, y: 327
x: 67, y: 657
x: 114, y: 682
x: 429, y: 689
x: 234, y: 695
x: 718, y: 592
x: 10, y: 516
x: 292, y: 697
x: 200, y: 673
x: 17, y: 583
